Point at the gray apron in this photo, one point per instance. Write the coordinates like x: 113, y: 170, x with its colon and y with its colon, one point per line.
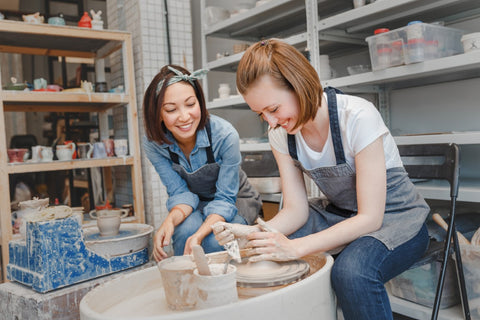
x: 203, y: 181
x: 405, y: 209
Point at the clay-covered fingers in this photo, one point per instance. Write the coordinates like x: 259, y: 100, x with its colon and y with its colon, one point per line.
x: 223, y: 234
x: 270, y: 246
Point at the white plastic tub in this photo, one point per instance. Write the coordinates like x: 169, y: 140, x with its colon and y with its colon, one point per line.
x: 140, y: 295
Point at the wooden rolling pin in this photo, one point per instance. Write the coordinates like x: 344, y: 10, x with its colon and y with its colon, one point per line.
x: 439, y: 220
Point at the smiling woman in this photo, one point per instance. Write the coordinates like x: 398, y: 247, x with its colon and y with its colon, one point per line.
x: 197, y: 157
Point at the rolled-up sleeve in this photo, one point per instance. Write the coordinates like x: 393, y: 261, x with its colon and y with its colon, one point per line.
x: 227, y: 184
x: 177, y: 189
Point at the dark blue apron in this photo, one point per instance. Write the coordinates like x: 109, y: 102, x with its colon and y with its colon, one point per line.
x: 203, y: 181
x: 405, y: 209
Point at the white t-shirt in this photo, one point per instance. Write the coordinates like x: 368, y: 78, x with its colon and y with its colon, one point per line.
x: 360, y: 125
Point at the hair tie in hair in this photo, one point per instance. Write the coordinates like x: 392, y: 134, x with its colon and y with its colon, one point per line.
x: 179, y: 76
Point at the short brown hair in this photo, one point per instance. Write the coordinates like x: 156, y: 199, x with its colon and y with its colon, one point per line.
x: 152, y: 104
x: 286, y: 65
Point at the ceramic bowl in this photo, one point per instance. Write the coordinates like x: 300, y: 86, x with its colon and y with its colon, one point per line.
x: 357, y: 69
x: 16, y: 155
x: 471, y: 41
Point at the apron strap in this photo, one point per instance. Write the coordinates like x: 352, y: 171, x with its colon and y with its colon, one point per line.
x: 210, y: 156
x: 335, y: 124
x: 334, y: 128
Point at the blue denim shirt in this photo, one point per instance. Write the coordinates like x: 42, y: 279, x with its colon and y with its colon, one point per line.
x: 226, y: 150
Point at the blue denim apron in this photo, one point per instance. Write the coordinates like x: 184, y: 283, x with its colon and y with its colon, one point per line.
x: 203, y: 181
x: 405, y: 209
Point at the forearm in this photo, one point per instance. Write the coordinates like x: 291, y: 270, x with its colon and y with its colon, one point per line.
x: 337, y: 235
x: 179, y: 213
x: 206, y: 227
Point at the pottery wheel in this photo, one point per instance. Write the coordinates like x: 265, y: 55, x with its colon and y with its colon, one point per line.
x: 270, y: 273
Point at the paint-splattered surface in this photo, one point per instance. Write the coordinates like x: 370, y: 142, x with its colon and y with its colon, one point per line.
x: 54, y: 255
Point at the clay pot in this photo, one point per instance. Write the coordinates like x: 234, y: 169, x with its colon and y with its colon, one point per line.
x: 17, y: 155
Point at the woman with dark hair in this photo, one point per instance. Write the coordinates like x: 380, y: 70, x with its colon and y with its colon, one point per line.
x: 197, y: 157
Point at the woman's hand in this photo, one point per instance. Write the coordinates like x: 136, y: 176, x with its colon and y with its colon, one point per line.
x: 271, y: 246
x: 226, y: 232
x: 163, y: 238
x: 192, y: 241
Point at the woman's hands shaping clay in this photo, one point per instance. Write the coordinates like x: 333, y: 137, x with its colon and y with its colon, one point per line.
x: 226, y: 232
x: 263, y: 242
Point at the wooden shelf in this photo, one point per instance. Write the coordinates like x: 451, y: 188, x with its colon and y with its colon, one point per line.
x: 61, y: 101
x: 50, y: 40
x: 68, y: 165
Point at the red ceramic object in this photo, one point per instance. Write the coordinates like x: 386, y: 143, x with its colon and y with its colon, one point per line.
x: 85, y: 21
x: 16, y: 155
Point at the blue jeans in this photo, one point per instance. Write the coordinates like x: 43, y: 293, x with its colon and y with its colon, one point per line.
x: 189, y: 226
x: 362, y: 268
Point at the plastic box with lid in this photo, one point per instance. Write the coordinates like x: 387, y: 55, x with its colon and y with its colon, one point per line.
x: 419, y: 283
x: 416, y: 42
x: 471, y: 271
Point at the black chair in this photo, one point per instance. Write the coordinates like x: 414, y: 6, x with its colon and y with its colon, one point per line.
x: 440, y: 162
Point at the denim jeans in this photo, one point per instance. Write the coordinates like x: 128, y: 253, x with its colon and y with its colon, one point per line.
x: 189, y: 226
x: 362, y: 268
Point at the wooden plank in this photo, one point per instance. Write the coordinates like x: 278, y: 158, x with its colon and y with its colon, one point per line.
x: 5, y: 215
x: 65, y: 97
x: 57, y: 108
x: 65, y: 31
x: 46, y: 52
x: 68, y: 165
x: 133, y: 134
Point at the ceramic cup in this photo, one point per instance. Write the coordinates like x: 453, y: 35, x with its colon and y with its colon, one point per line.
x: 121, y: 147
x: 37, y: 153
x: 47, y: 154
x: 65, y: 152
x: 217, y: 289
x: 224, y: 90
x: 108, y: 220
x: 109, y: 147
x: 178, y: 282
x: 99, y: 150
x: 17, y: 155
x: 84, y: 150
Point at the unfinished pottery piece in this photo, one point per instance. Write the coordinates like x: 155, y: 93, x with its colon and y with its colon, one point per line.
x: 217, y: 289
x: 270, y: 273
x: 178, y: 282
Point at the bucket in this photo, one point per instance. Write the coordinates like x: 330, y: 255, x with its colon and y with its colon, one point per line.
x: 178, y: 282
x: 218, y: 289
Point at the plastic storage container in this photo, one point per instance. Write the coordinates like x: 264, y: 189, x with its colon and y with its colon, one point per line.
x: 471, y: 270
x: 419, y: 283
x: 414, y: 43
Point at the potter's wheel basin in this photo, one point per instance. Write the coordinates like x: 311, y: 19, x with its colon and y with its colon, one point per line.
x: 140, y: 295
x: 132, y: 237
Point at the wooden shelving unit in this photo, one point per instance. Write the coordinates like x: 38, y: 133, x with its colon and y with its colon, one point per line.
x: 65, y: 41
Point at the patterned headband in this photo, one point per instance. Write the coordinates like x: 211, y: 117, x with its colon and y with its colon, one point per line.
x: 179, y: 76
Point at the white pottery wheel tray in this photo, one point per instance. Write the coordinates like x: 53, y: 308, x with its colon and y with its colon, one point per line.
x: 132, y: 237
x: 269, y: 273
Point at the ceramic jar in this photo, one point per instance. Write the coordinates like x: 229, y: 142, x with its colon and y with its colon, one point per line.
x: 65, y: 152
x: 224, y: 91
x: 108, y: 220
x: 85, y: 150
x: 121, y: 147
